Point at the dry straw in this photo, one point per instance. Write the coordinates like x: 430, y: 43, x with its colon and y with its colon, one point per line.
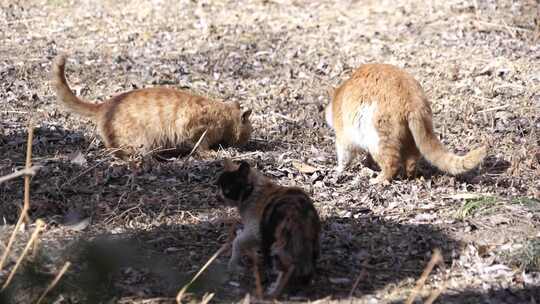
x: 26, y: 204
x: 55, y: 281
x: 31, y: 171
x: 197, y: 144
x: 436, y: 258
x: 361, y: 276
x: 39, y: 226
x: 182, y: 291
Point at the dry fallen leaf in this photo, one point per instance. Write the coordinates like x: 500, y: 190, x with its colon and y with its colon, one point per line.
x: 304, y: 168
x: 78, y: 158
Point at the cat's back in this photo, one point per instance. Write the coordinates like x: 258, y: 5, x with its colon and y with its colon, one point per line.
x: 282, y: 194
x: 290, y: 229
x: 384, y: 84
x: 158, y: 106
x: 156, y: 97
x: 292, y: 204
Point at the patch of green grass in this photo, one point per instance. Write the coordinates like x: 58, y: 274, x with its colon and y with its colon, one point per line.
x: 475, y: 206
x: 526, y: 257
x: 57, y: 3
x: 532, y: 204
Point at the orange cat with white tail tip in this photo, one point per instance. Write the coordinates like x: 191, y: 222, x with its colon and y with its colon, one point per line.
x: 383, y: 110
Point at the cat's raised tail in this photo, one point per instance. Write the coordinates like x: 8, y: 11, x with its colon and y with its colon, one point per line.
x: 64, y: 92
x: 432, y: 149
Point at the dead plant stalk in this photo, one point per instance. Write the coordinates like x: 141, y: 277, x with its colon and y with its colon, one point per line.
x: 26, y: 204
x: 436, y: 258
x: 30, y: 171
x: 55, y: 281
x: 182, y: 291
x: 39, y: 226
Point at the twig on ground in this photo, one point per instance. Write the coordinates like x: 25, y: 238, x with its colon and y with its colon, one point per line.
x: 245, y: 155
x: 494, y: 108
x: 442, y: 287
x: 69, y: 182
x: 246, y: 299
x: 509, y: 29
x: 14, y: 112
x: 39, y: 227
x: 197, y: 144
x: 361, y: 276
x: 435, y: 294
x: 108, y: 221
x: 30, y: 171
x: 26, y: 204
x: 515, y: 28
x: 158, y: 150
x: 436, y: 258
x: 206, y: 298
x: 285, y: 117
x: 182, y: 291
x: 509, y: 85
x: 55, y: 281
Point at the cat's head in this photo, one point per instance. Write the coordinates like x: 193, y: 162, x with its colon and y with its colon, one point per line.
x: 245, y: 128
x: 236, y: 183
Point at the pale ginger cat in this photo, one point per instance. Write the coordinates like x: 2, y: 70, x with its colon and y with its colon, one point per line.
x: 157, y: 118
x: 383, y: 110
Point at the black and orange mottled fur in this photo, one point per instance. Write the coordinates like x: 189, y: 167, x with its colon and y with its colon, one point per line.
x: 289, y: 230
x: 279, y: 221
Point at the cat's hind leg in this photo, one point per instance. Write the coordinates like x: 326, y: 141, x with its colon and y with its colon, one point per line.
x: 345, y: 155
x: 389, y: 160
x: 410, y: 158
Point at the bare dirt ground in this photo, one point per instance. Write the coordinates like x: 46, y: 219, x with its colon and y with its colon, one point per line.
x: 137, y: 231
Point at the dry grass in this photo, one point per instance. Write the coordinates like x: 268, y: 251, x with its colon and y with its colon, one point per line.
x: 477, y: 60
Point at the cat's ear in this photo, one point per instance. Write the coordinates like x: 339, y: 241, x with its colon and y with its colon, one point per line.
x: 245, y: 115
x: 243, y: 170
x: 228, y: 164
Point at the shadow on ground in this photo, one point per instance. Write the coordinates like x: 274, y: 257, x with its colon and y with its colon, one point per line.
x: 157, y: 263
x: 112, y: 266
x: 525, y: 295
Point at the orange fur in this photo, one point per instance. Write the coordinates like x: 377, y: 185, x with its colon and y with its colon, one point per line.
x: 154, y: 118
x: 383, y: 109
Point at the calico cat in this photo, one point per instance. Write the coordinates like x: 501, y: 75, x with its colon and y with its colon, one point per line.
x: 383, y: 110
x: 279, y: 221
x: 153, y: 118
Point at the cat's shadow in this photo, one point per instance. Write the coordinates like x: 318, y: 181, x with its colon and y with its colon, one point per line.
x: 49, y: 140
x: 380, y: 252
x: 262, y: 145
x: 491, y: 165
x: 253, y: 145
x: 494, y: 165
